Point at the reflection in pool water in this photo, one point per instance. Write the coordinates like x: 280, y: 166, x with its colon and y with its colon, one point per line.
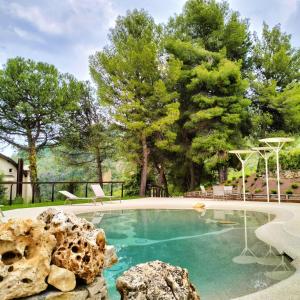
x: 224, y: 259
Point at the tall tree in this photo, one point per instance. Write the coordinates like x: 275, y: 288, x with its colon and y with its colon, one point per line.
x: 86, y: 134
x: 276, y: 69
x: 214, y: 27
x: 213, y: 107
x: 134, y: 77
x: 33, y: 100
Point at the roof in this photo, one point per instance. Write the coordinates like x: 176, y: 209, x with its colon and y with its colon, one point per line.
x: 10, y: 160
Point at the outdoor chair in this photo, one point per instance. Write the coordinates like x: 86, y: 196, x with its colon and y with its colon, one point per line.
x: 99, y: 194
x: 228, y: 190
x: 218, y: 191
x: 71, y: 197
x: 203, y: 190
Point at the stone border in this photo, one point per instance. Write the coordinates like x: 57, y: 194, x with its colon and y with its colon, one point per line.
x: 283, y: 232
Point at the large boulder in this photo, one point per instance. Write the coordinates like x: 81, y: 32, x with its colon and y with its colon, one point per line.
x: 25, y: 252
x: 156, y: 280
x: 80, y: 246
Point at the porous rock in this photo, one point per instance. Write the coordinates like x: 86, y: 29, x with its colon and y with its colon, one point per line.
x: 25, y: 252
x: 110, y: 256
x: 156, y: 281
x: 80, y: 246
x: 61, y: 278
x: 94, y: 291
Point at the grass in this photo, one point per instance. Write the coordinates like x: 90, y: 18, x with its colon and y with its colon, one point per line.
x: 57, y: 203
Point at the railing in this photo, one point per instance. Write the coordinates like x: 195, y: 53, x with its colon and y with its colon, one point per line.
x: 156, y: 191
x: 249, y: 197
x: 53, y: 184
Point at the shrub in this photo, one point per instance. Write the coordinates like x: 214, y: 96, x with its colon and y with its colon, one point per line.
x: 289, y: 192
x: 264, y: 183
x: 258, y: 191
x: 294, y: 185
x: 233, y: 178
x: 273, y: 191
x: 247, y: 191
x: 247, y: 175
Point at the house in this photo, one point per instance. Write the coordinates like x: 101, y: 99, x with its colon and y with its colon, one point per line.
x: 13, y: 173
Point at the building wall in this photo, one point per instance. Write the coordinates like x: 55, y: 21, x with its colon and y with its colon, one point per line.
x: 9, y: 171
x: 10, y: 174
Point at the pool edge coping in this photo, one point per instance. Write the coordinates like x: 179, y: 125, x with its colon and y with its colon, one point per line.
x: 282, y: 232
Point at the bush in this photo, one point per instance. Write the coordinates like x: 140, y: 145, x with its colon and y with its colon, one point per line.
x: 289, y: 192
x: 258, y: 191
x: 247, y: 175
x: 273, y: 191
x: 294, y: 185
x: 233, y: 178
x: 264, y: 183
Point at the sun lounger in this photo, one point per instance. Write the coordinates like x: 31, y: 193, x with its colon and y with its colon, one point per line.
x: 71, y: 197
x: 99, y: 194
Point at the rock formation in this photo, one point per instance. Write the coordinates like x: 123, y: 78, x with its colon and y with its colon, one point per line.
x: 63, y: 279
x: 80, y: 246
x: 25, y: 251
x: 156, y: 281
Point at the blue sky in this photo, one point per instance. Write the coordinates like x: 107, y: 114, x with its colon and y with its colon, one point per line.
x: 66, y: 32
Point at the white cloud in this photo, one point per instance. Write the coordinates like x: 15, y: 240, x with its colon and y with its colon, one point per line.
x: 65, y: 18
x: 26, y: 35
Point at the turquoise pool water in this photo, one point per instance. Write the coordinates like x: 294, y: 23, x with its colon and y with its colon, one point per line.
x: 214, y: 253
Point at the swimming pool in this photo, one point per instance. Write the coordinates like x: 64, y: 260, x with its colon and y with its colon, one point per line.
x: 219, y: 248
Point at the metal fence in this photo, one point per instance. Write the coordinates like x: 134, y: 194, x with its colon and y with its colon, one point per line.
x: 51, y: 185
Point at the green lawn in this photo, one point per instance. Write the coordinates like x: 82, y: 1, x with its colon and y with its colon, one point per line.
x: 56, y: 203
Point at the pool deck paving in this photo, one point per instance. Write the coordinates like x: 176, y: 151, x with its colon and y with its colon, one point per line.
x: 283, y: 232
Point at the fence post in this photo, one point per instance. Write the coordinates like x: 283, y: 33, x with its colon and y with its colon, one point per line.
x: 10, y: 194
x: 111, y: 189
x: 86, y: 190
x: 122, y: 192
x: 33, y: 193
x: 52, y: 192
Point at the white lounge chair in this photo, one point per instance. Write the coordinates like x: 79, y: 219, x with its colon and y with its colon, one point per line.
x: 203, y: 190
x: 218, y: 191
x: 228, y: 190
x: 70, y: 197
x: 99, y: 194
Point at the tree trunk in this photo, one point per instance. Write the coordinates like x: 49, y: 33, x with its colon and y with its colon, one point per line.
x: 162, y: 179
x: 222, y: 174
x: 192, y: 177
x: 144, y: 167
x: 32, y: 154
x: 99, y: 165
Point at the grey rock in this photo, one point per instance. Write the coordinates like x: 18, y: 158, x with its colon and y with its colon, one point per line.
x: 156, y: 280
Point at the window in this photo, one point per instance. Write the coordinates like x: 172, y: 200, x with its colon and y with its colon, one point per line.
x: 10, y: 170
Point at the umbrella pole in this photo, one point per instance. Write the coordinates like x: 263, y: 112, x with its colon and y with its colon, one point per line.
x: 267, y: 178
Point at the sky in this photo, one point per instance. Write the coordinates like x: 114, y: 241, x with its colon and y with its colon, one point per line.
x: 66, y: 32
